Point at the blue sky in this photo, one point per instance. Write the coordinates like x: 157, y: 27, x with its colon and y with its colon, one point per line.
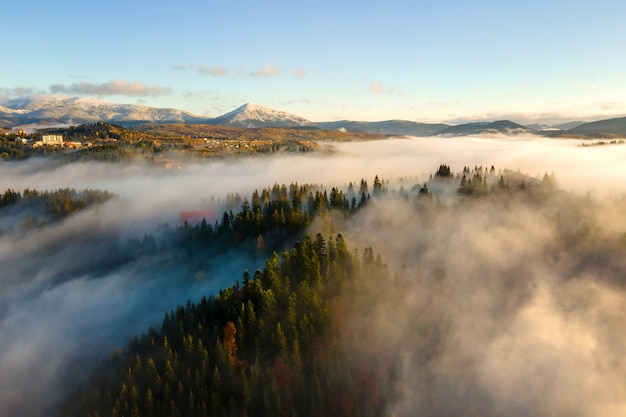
x: 450, y: 60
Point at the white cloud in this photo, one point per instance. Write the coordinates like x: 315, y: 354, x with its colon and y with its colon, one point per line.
x: 214, y: 71
x: 267, y: 71
x: 203, y: 69
x: 299, y: 72
x: 298, y: 101
x: 377, y: 88
x: 111, y: 88
x: 16, y: 92
x: 611, y: 105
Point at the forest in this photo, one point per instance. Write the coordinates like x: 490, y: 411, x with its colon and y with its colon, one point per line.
x: 470, y: 290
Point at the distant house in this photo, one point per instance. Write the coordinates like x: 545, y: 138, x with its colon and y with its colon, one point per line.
x: 52, y: 140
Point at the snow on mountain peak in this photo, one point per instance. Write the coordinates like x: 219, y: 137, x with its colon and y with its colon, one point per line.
x: 54, y: 109
x: 254, y: 115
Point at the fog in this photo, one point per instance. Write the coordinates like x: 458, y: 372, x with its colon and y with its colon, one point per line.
x: 497, y: 315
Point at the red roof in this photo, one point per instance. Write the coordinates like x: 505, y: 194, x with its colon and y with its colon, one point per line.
x: 195, y: 217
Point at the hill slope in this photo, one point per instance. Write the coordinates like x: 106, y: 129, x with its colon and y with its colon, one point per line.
x: 609, y: 127
x: 505, y: 127
x: 388, y: 127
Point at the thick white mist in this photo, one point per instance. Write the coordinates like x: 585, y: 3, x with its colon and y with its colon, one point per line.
x: 47, y: 322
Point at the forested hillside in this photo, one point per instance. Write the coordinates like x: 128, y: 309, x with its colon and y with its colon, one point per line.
x: 272, y: 345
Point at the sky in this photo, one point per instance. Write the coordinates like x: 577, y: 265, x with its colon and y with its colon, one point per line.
x: 451, y: 61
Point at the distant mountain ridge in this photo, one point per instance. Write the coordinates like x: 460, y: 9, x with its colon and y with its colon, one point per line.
x: 59, y: 110
x: 80, y: 110
x: 388, y: 127
x: 505, y: 127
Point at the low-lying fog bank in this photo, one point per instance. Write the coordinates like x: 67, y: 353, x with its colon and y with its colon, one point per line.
x: 524, y: 334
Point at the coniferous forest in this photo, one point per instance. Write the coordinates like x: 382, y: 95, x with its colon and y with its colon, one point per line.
x: 271, y: 344
x: 469, y: 291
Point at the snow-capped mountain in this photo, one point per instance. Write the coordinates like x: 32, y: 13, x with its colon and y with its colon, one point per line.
x: 60, y: 110
x: 9, y: 117
x: 37, y: 112
x: 253, y: 116
x: 79, y: 110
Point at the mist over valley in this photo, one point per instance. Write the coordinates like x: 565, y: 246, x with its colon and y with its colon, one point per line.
x: 482, y: 275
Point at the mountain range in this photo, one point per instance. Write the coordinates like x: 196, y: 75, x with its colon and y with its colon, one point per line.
x: 48, y: 111
x: 80, y: 110
x: 388, y: 127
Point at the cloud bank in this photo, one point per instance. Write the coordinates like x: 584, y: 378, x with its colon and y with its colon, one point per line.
x: 377, y: 88
x: 112, y: 88
x: 266, y: 71
x: 203, y: 69
x: 299, y: 72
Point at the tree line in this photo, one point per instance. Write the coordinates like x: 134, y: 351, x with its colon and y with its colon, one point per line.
x: 43, y: 207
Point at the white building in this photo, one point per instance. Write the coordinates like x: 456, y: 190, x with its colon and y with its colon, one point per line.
x: 54, y: 140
